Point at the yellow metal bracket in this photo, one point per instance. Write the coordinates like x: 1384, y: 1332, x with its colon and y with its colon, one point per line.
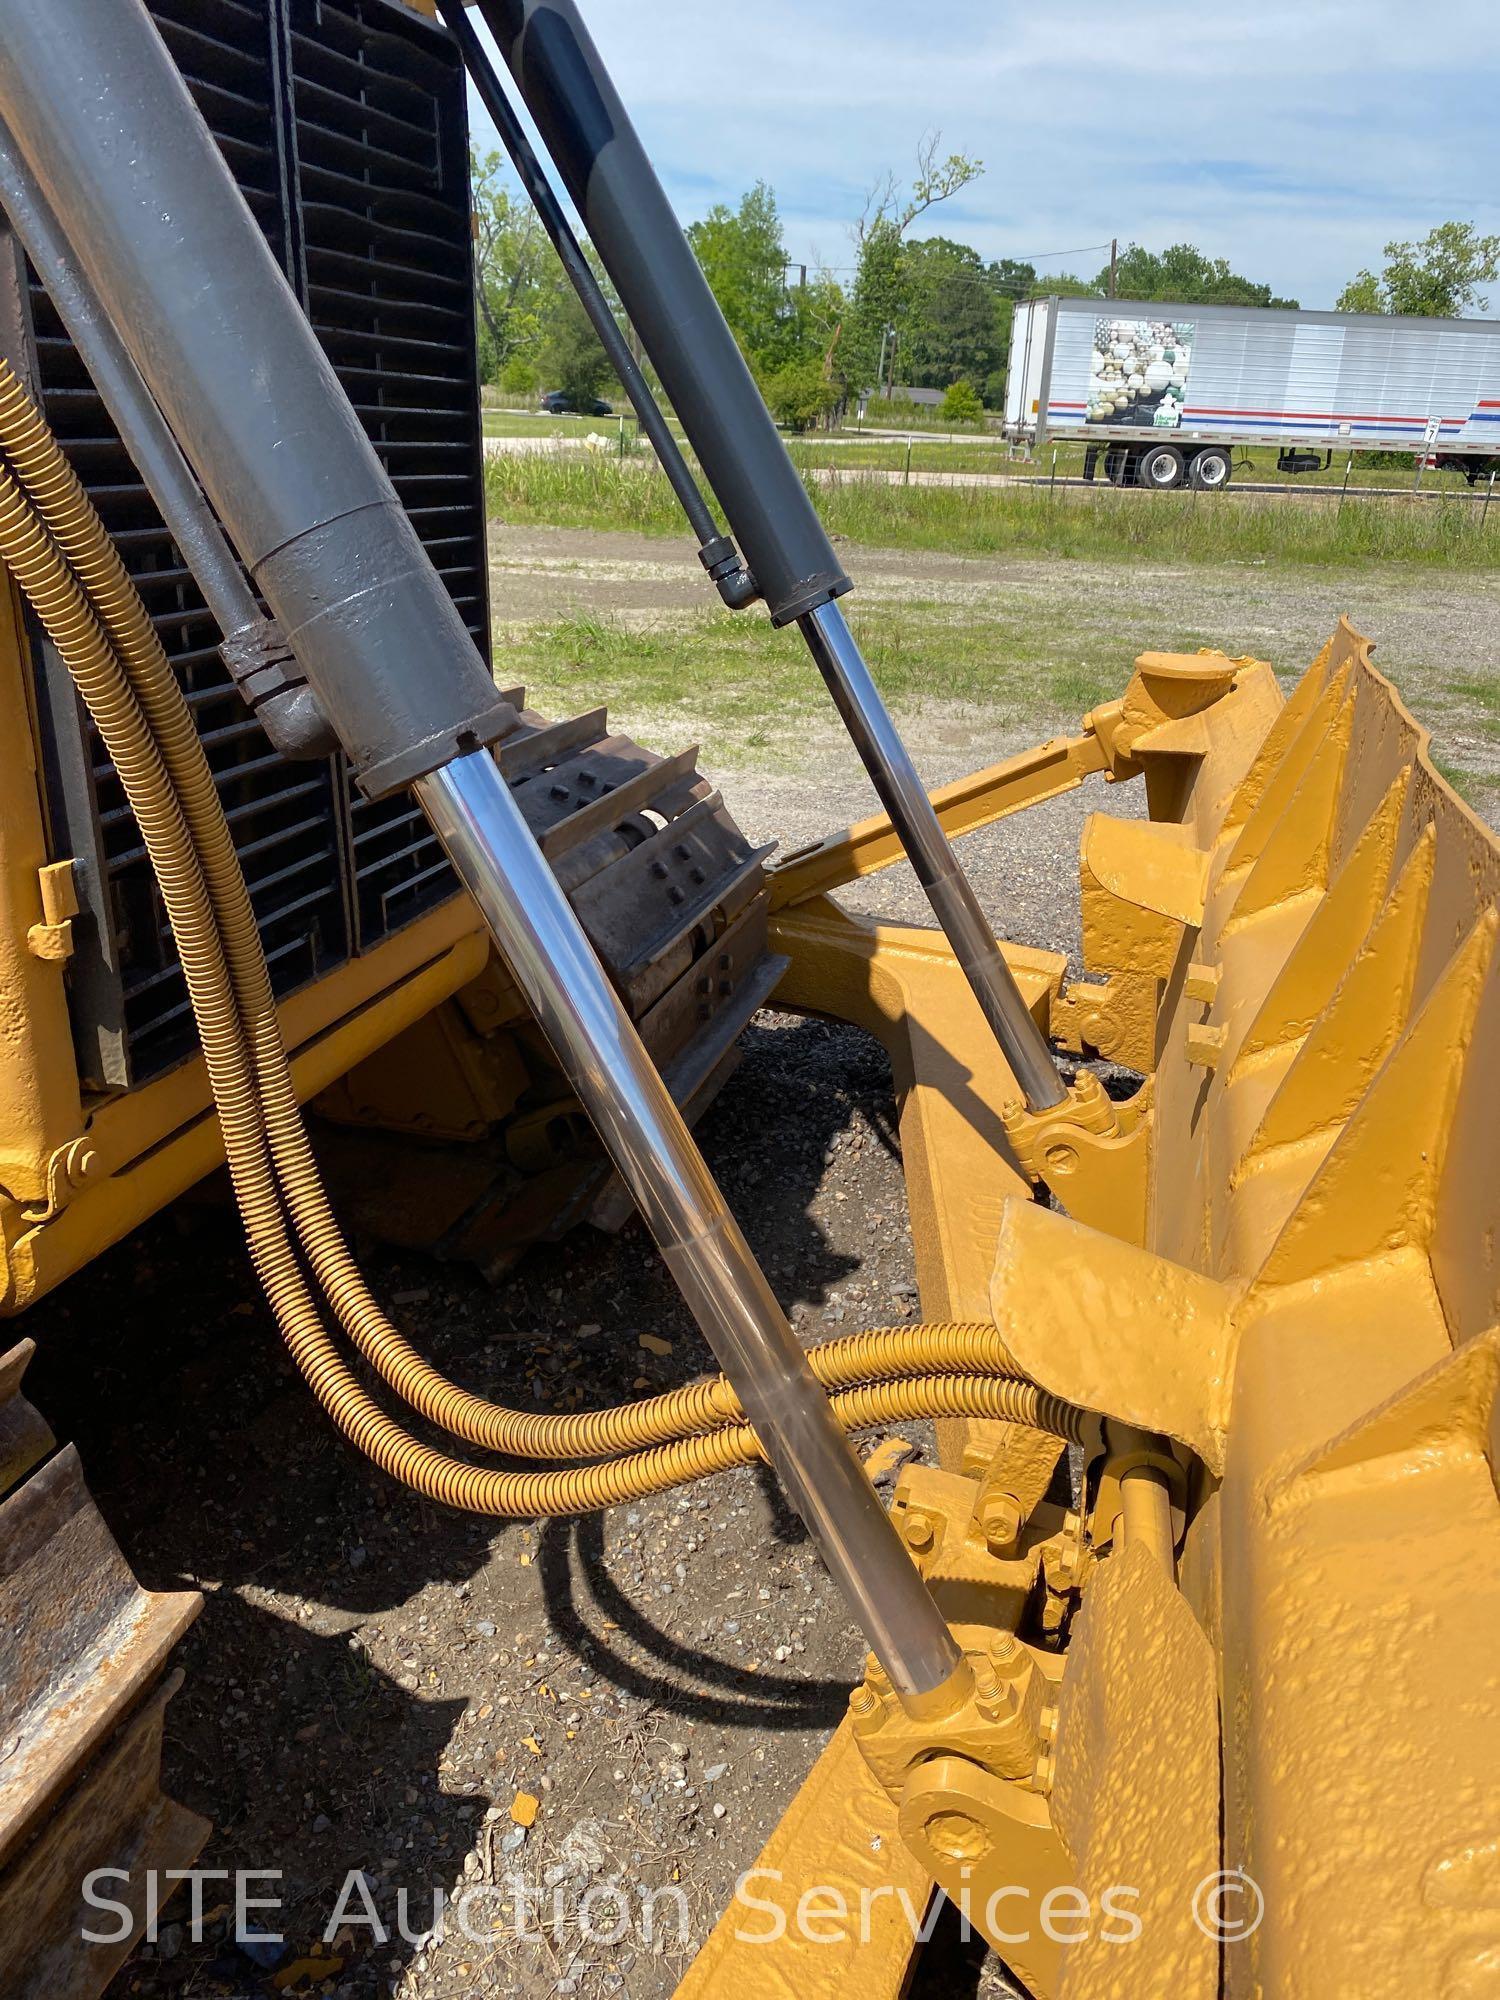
x: 1092, y: 1152
x: 967, y: 804
x: 52, y: 938
x: 1119, y: 740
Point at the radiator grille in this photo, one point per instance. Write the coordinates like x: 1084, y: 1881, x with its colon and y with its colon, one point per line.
x: 381, y: 145
x: 343, y: 123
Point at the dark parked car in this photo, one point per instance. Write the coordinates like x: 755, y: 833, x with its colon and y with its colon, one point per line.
x: 557, y: 404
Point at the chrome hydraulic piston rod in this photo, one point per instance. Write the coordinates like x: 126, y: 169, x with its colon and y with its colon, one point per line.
x: 178, y: 264
x: 902, y: 793
x: 480, y: 825
x: 566, y: 87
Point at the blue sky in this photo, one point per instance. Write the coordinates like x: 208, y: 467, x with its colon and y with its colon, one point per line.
x: 1295, y: 140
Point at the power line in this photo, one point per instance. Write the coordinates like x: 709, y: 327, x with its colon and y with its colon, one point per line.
x: 1011, y: 257
x: 1045, y: 256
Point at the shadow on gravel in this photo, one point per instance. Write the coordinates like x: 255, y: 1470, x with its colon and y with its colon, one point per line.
x: 215, y: 1469
x: 572, y: 1555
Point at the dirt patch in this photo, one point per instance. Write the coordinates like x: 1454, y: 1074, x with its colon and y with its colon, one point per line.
x: 1437, y: 633
x: 1281, y: 614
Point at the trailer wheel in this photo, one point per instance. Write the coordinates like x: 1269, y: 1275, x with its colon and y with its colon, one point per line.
x: 1209, y: 470
x: 1161, y: 467
x: 1118, y: 464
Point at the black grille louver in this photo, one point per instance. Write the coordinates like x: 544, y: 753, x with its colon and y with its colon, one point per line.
x: 343, y: 123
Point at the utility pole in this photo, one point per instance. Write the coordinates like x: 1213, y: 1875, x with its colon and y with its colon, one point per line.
x: 1114, y: 259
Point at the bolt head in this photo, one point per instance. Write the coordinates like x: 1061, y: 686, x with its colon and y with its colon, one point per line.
x: 956, y: 1835
x: 919, y: 1530
x: 1000, y: 1521
x: 1007, y: 1653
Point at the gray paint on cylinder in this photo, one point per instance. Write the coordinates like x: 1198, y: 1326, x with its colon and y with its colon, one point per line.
x: 132, y: 174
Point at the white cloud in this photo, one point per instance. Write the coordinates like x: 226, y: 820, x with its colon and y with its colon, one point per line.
x: 1294, y: 139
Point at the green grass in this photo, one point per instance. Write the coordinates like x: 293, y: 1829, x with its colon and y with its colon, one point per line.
x: 904, y: 416
x: 581, y: 490
x: 537, y: 423
x: 1483, y: 694
x: 600, y: 491
x: 893, y: 455
x: 751, y: 691
x: 842, y: 449
x: 1480, y: 789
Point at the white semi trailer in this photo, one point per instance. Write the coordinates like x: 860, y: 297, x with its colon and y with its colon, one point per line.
x: 1165, y: 392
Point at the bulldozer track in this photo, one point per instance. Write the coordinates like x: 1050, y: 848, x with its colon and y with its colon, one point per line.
x: 84, y: 1682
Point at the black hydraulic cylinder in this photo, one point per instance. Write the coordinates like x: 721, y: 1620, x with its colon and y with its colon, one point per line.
x: 129, y: 169
x: 716, y: 552
x: 631, y: 225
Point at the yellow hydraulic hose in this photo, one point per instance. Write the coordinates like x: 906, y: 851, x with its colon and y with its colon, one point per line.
x: 70, y: 517
x: 55, y: 597
x: 610, y: 1482
x: 130, y: 690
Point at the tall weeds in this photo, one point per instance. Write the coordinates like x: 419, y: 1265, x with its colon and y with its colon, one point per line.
x: 585, y: 490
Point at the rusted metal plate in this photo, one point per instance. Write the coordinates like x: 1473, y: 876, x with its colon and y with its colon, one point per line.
x: 649, y: 915
x: 674, y: 899
x: 83, y: 1679
x: 116, y: 1816
x: 80, y: 1641
x: 24, y: 1437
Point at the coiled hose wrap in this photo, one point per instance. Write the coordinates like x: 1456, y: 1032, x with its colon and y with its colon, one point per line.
x: 58, y: 551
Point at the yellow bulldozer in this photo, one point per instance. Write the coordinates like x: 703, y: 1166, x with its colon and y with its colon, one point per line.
x: 1214, y: 1713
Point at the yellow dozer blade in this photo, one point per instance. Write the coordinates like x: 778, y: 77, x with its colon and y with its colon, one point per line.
x: 1248, y: 1739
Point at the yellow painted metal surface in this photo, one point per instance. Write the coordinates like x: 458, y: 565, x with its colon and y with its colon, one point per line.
x: 1273, y: 1272
x: 867, y: 1898
x: 963, y: 806
x: 1279, y: 1265
x: 76, y: 1174
x: 151, y: 1145
x: 1310, y: 1310
x: 39, y: 1103
x: 1138, y: 1777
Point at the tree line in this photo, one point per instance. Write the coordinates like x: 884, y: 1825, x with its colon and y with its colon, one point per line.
x: 912, y: 309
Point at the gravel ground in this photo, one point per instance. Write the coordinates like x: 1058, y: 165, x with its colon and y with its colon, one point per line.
x: 1436, y: 634
x: 1282, y: 613
x: 374, y: 1685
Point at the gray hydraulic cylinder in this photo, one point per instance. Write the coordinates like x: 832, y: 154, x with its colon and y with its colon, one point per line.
x: 137, y: 185
x: 666, y: 297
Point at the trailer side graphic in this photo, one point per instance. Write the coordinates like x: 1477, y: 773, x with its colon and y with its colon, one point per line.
x: 1134, y: 376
